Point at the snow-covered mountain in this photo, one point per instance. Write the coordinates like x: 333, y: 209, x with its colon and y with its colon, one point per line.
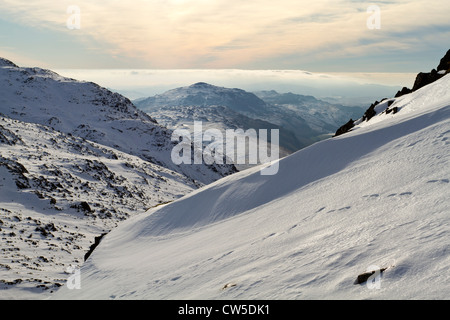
x: 373, y: 199
x: 302, y: 119
x: 222, y: 118
x: 203, y: 94
x: 321, y: 116
x: 87, y: 110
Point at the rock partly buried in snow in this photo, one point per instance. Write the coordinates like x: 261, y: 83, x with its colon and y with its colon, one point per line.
x: 345, y: 128
x: 97, y: 241
x: 425, y: 78
x: 229, y: 285
x: 363, y: 277
x: 444, y: 64
x: 402, y: 92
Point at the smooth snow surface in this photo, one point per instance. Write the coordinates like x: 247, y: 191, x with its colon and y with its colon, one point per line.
x: 376, y: 196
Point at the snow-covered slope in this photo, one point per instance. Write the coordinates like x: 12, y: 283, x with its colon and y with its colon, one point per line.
x: 376, y: 196
x: 87, y: 110
x: 57, y: 193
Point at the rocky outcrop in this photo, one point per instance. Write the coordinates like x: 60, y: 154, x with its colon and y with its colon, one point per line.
x: 345, y: 128
x: 402, y: 92
x: 444, y: 64
x: 425, y: 78
x: 422, y: 79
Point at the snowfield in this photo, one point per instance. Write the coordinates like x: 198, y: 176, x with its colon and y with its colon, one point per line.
x: 374, y: 197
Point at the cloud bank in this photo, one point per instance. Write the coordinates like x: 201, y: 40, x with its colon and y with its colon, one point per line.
x: 255, y: 34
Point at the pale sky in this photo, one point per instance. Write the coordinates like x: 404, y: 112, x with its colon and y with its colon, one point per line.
x: 318, y: 36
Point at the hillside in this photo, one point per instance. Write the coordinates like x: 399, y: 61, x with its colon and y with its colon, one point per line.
x: 374, y: 198
x: 89, y: 111
x: 75, y: 160
x: 57, y: 193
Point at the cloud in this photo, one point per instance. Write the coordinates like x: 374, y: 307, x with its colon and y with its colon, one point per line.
x: 232, y: 33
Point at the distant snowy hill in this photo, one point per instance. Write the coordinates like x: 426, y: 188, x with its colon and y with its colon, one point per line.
x: 302, y: 120
x: 222, y: 118
x: 321, y: 116
x: 87, y: 110
x: 375, y: 198
x: 203, y: 94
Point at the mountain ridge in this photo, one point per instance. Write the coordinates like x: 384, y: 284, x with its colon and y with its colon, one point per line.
x: 87, y: 110
x: 305, y: 117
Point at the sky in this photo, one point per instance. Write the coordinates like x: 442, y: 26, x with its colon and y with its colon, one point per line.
x: 323, y: 36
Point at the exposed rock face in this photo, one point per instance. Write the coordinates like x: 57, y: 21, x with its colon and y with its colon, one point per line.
x: 345, y: 128
x: 425, y: 78
x: 405, y: 90
x: 445, y: 63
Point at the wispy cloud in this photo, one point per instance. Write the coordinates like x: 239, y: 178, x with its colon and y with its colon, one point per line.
x: 232, y: 33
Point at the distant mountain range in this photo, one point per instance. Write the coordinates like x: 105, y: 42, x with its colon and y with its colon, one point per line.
x: 302, y: 120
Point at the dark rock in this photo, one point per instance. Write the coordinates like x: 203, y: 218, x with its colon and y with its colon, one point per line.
x: 445, y: 63
x: 363, y: 277
x: 370, y: 113
x: 22, y: 185
x: 50, y: 227
x: 402, y: 92
x: 47, y: 229
x: 94, y: 245
x: 424, y: 79
x: 345, y: 128
x: 394, y: 110
x: 85, y: 206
